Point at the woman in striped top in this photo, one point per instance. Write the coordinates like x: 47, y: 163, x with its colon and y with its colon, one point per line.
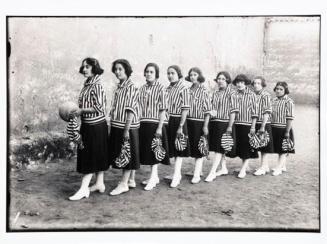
x: 281, y: 123
x: 263, y: 122
x: 93, y: 157
x: 224, y: 109
x: 245, y: 121
x: 153, y: 107
x: 198, y: 118
x: 124, y: 123
x: 178, y: 108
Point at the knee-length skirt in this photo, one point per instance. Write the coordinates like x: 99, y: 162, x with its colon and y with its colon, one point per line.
x: 216, y: 130
x: 243, y: 148
x: 147, y: 132
x: 173, y: 125
x: 270, y: 146
x: 194, y: 128
x: 115, y: 144
x: 278, y: 134
x: 94, y: 156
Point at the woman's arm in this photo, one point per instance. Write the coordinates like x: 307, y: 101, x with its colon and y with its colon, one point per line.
x: 130, y: 116
x: 231, y: 122
x: 162, y: 116
x: 264, y: 122
x: 182, y: 121
x: 288, y: 128
x: 205, y: 124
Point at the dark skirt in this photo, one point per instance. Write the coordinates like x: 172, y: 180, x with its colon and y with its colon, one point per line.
x: 194, y: 128
x: 147, y: 132
x: 173, y: 125
x: 270, y: 147
x: 94, y: 156
x: 216, y: 130
x: 278, y: 134
x: 243, y: 148
x: 115, y: 144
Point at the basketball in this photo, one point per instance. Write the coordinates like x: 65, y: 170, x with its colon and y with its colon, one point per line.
x: 65, y: 109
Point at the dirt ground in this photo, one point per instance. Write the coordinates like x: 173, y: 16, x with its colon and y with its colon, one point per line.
x: 39, y: 197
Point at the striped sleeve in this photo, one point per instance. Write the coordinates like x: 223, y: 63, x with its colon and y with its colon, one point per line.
x: 266, y: 105
x: 254, y: 107
x: 289, y: 109
x: 98, y: 99
x: 163, y: 100
x: 73, y: 130
x: 132, y: 97
x: 233, y: 104
x: 185, y: 99
x: 206, y: 103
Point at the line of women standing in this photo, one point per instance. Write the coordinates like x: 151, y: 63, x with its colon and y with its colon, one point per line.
x: 178, y: 122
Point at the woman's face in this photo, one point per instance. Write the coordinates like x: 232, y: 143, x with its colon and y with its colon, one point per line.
x: 240, y: 85
x: 120, y: 72
x: 87, y: 70
x: 257, y: 85
x: 194, y: 77
x: 279, y: 91
x: 222, y: 81
x: 172, y: 75
x: 150, y: 74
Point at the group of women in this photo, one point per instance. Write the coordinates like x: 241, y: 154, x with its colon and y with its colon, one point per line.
x: 178, y: 116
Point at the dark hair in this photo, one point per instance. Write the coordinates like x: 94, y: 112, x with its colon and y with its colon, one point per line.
x: 240, y: 78
x: 227, y: 76
x: 125, y: 64
x: 201, y: 79
x: 263, y: 81
x: 283, y: 84
x: 155, y: 66
x: 96, y: 69
x: 178, y: 70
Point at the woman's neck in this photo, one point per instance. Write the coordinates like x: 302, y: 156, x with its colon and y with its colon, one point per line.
x: 123, y: 80
x: 150, y: 82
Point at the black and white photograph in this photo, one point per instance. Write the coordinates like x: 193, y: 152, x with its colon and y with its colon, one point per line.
x: 163, y: 122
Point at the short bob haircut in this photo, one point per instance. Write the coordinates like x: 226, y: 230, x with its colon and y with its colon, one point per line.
x: 155, y: 66
x: 201, y: 79
x: 242, y: 78
x: 227, y: 76
x: 177, y: 69
x: 96, y: 69
x: 125, y: 64
x: 283, y: 84
x: 263, y: 81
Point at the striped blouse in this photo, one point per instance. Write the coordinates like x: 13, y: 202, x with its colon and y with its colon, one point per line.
x: 92, y: 95
x: 126, y: 97
x: 199, y: 104
x: 153, y: 99
x: 247, y: 106
x: 282, y: 110
x: 178, y: 98
x: 73, y: 129
x: 264, y: 105
x: 225, y: 103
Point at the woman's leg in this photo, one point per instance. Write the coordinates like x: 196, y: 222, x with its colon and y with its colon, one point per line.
x: 197, y: 170
x: 131, y: 181
x: 84, y: 189
x: 154, y: 178
x: 99, y: 184
x: 177, y: 172
x: 123, y: 184
x: 281, y: 164
x: 264, y: 168
x: 212, y: 174
x: 242, y: 172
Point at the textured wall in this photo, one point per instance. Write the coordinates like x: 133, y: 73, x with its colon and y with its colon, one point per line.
x: 47, y: 52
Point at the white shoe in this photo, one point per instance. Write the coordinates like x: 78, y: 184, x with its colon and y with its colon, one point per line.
x: 80, y: 194
x: 277, y: 171
x: 167, y: 177
x: 99, y: 188
x: 211, y: 177
x: 131, y: 183
x: 284, y: 168
x: 151, y: 184
x: 196, y: 179
x: 145, y: 182
x: 261, y: 171
x: 222, y: 172
x: 121, y: 188
x: 175, y: 182
x: 242, y: 174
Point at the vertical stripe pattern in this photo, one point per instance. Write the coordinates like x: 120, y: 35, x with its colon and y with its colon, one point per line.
x: 153, y: 99
x: 73, y: 129
x: 282, y: 110
x: 178, y: 98
x: 247, y: 106
x: 264, y: 105
x: 126, y: 97
x: 200, y: 103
